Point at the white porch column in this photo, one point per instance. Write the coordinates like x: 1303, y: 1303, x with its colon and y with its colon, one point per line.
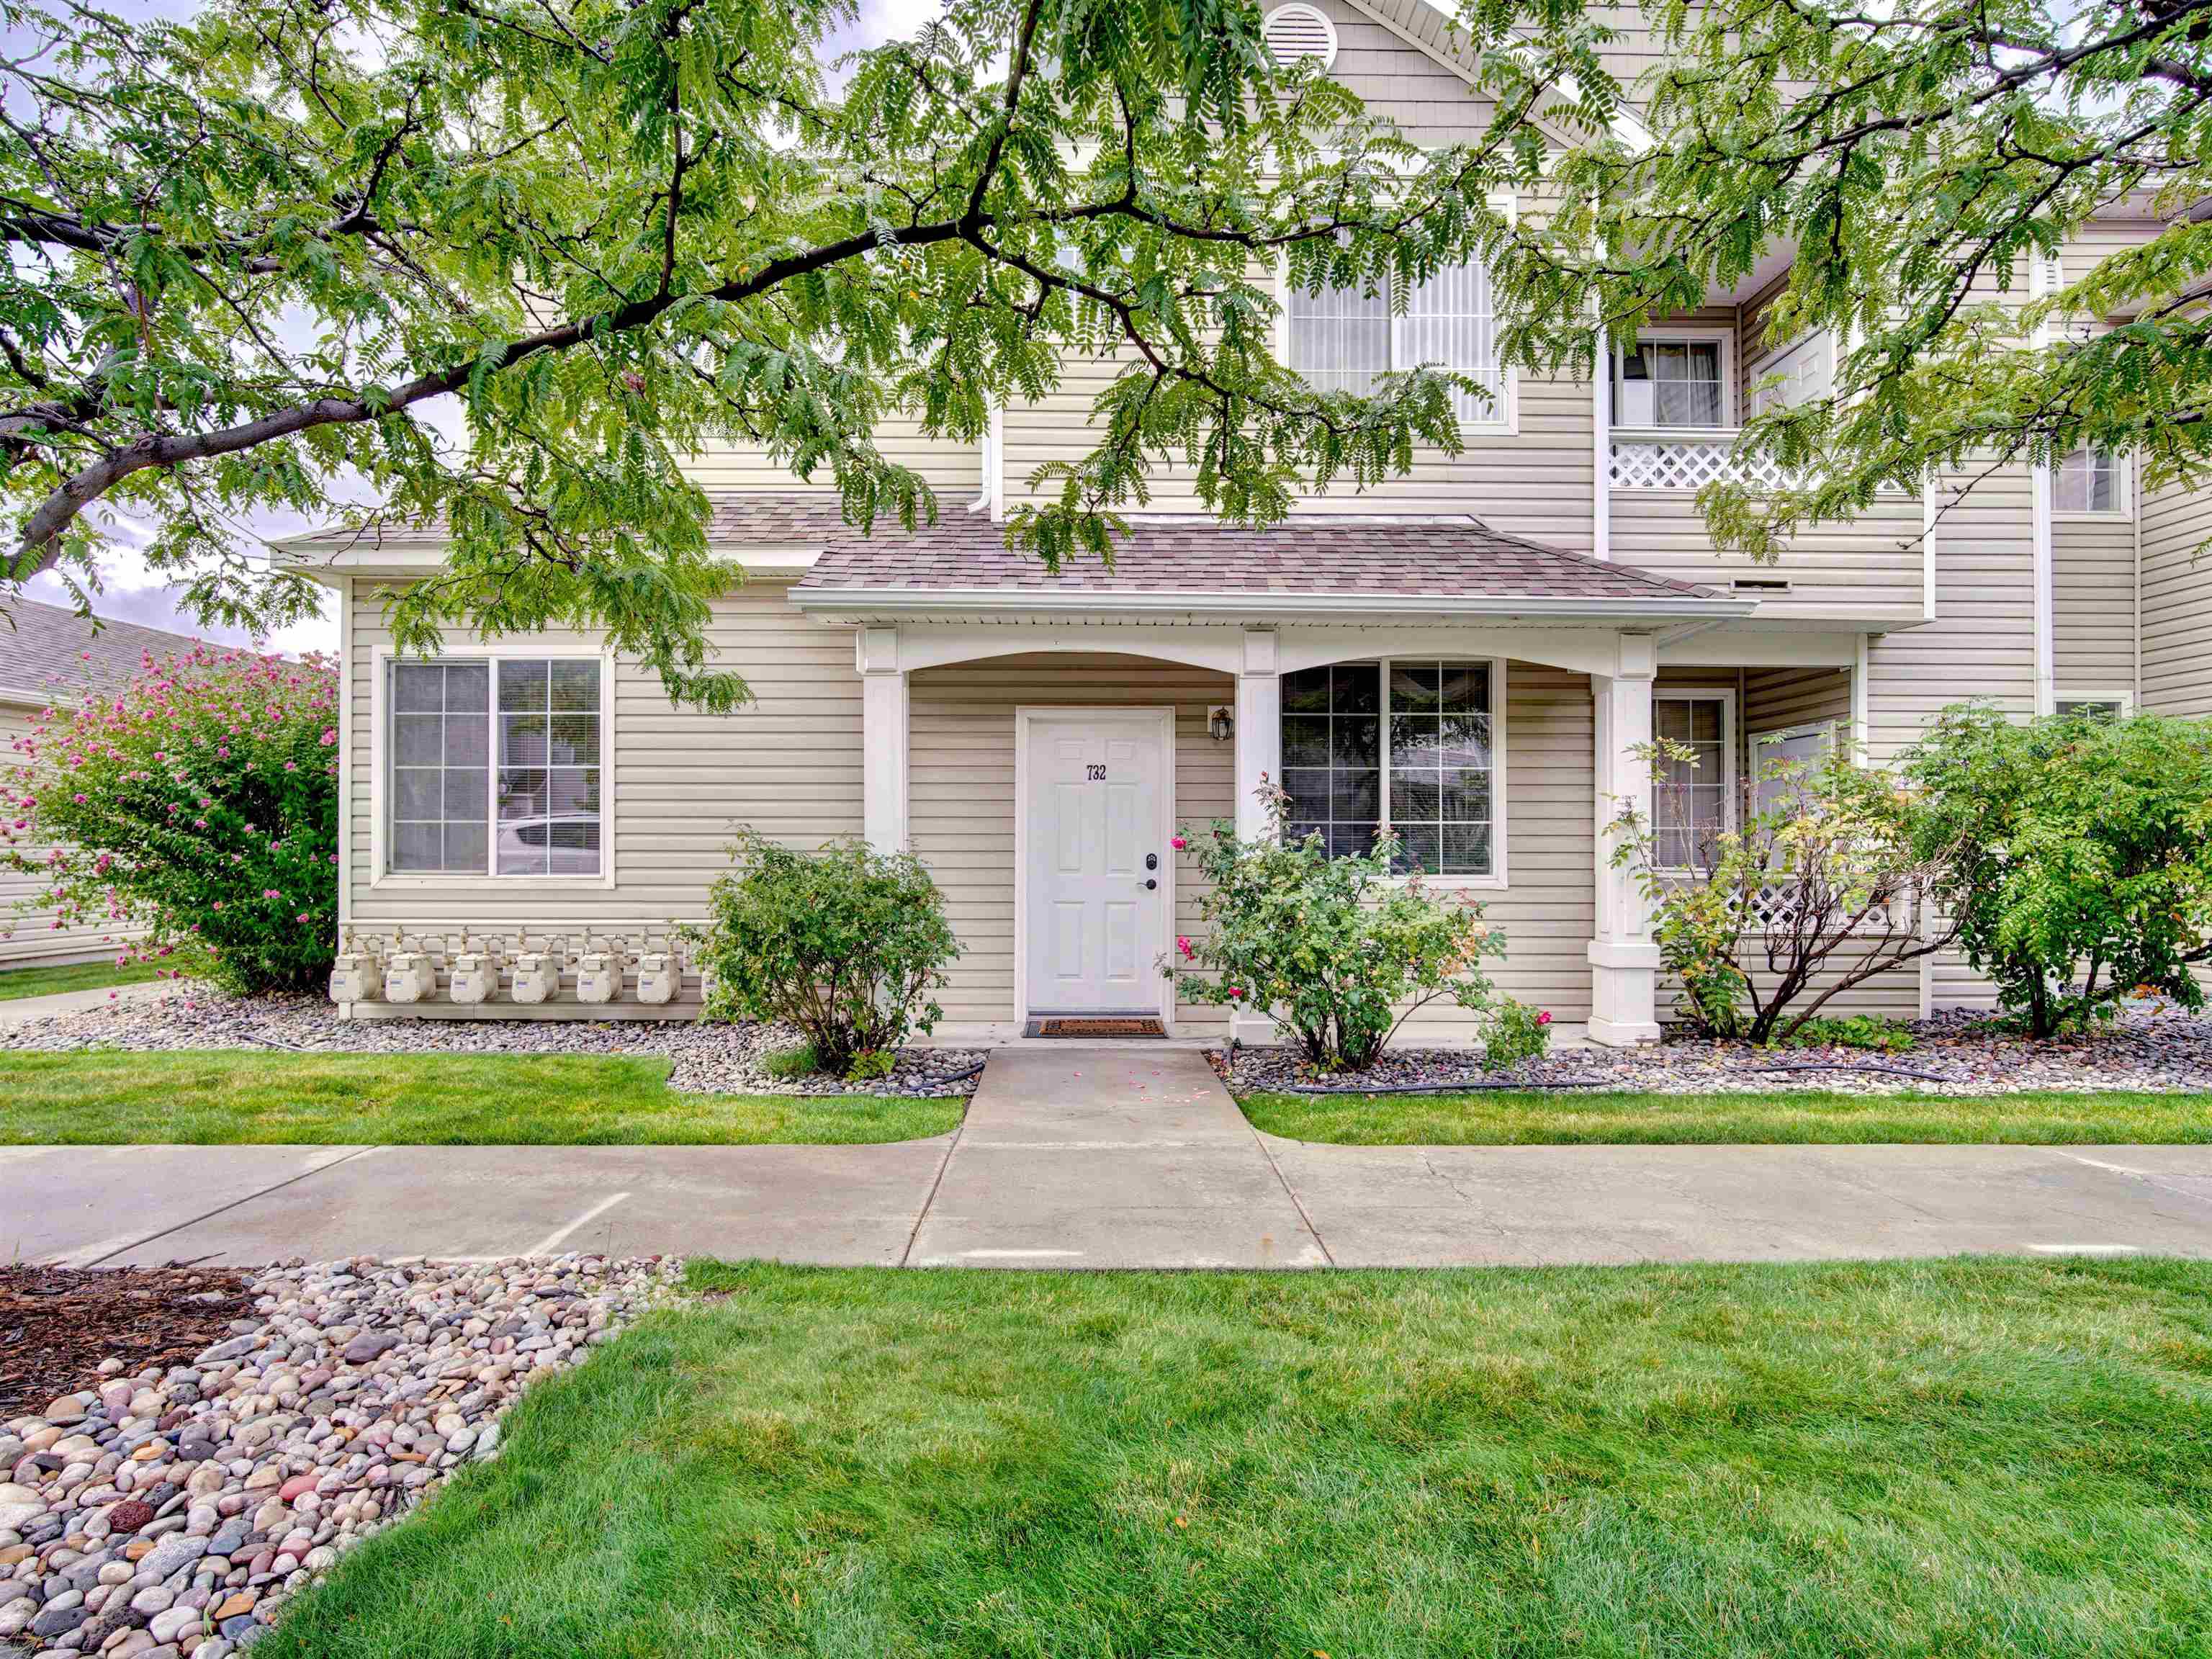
x: 1624, y: 961
x: 1259, y: 730
x: 882, y: 738
x: 1259, y: 764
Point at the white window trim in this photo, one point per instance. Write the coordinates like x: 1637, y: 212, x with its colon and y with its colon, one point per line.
x: 1505, y: 421
x: 2123, y: 509
x: 1682, y: 334
x: 1724, y: 695
x: 2074, y: 694
x: 382, y: 877
x: 1496, y: 880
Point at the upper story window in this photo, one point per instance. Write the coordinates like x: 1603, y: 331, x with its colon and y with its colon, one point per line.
x: 1340, y: 339
x: 1692, y: 803
x: 1672, y: 380
x: 2089, y: 481
x: 497, y: 767
x: 1407, y: 742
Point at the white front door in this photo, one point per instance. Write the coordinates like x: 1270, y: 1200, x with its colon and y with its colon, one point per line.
x: 1097, y: 882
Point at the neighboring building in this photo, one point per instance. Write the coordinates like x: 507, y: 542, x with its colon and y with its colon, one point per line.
x: 52, y: 657
x: 1472, y: 652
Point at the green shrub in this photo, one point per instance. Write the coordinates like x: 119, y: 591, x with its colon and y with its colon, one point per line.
x: 1517, y: 1032
x: 845, y: 942
x: 786, y: 1064
x: 2083, y: 867
x: 1854, y: 1031
x: 200, y: 803
x: 1337, y: 952
x: 1814, y: 883
x: 872, y: 1063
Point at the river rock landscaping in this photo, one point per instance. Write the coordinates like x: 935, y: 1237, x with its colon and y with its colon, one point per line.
x: 171, y: 1511
x: 2151, y: 1048
x: 706, y: 1058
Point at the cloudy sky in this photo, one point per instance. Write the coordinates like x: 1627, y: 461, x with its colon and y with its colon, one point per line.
x: 133, y: 592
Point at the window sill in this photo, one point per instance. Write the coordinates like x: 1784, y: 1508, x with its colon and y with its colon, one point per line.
x: 450, y: 881
x: 2114, y: 515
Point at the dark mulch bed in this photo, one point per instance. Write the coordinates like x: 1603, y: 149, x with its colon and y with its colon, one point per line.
x: 57, y: 1324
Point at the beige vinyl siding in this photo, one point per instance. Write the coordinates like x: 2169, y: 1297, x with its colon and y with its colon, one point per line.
x: 953, y: 469
x: 1547, y: 909
x: 1982, y: 642
x: 1433, y: 104
x: 29, y: 935
x: 2177, y: 601
x: 1533, y: 483
x: 1790, y: 699
x: 788, y: 765
x: 1857, y: 571
x: 961, y: 804
x: 2093, y: 581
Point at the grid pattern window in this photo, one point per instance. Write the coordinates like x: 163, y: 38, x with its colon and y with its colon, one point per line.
x: 1691, y: 797
x: 495, y: 767
x: 1406, y: 742
x: 1341, y: 339
x: 440, y: 757
x: 549, y: 768
x: 1670, y: 383
x: 2088, y: 481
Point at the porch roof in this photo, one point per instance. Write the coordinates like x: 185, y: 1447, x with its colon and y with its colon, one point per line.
x: 1312, y: 563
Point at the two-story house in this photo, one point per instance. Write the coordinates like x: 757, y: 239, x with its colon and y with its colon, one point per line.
x: 1472, y: 652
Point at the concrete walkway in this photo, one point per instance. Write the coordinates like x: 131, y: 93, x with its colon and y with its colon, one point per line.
x: 1109, y: 1156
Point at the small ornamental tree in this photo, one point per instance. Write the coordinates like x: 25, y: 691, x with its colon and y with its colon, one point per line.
x: 2083, y: 867
x: 198, y: 802
x: 1817, y: 881
x: 845, y: 943
x: 1338, y: 953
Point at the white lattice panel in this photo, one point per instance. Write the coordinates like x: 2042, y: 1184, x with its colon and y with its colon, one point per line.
x: 1688, y: 463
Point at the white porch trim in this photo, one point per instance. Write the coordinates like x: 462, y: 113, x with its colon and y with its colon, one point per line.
x: 1624, y: 961
x: 886, y: 734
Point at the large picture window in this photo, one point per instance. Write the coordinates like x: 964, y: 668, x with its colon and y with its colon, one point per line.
x: 1341, y: 339
x: 496, y: 768
x: 1407, y: 742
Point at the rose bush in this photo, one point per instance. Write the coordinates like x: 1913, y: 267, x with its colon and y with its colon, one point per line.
x: 1338, y: 953
x: 198, y: 802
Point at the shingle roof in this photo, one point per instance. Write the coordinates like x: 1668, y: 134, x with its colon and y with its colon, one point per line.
x: 1309, y: 555
x: 52, y: 650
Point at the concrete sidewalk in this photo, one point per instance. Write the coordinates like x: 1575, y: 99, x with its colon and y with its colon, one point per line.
x: 1124, y: 1156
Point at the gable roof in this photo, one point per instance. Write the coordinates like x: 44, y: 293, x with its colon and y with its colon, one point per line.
x: 51, y: 653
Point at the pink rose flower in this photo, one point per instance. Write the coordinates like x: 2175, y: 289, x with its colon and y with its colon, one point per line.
x: 1183, y: 944
x: 1544, y: 1019
x: 1178, y: 843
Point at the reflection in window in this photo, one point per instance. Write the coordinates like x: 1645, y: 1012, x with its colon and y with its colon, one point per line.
x: 1692, y: 803
x: 1406, y: 742
x: 2088, y: 481
x: 1668, y: 383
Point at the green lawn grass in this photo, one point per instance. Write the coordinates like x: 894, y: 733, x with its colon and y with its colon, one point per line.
x: 1501, y: 1119
x: 1983, y: 1458
x: 103, y: 1097
x: 73, y: 976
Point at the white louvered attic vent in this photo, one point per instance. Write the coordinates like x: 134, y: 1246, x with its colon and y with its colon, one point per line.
x: 1296, y: 32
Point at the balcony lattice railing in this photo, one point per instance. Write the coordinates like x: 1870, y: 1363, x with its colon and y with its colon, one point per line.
x: 1686, y: 459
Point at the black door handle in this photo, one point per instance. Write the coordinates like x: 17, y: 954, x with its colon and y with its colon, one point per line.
x: 1150, y: 883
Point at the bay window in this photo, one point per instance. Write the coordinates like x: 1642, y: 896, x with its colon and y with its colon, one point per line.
x: 497, y: 767
x: 1407, y: 742
x: 1342, y: 340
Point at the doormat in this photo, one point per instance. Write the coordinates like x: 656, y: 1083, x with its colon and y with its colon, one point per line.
x: 1096, y: 1028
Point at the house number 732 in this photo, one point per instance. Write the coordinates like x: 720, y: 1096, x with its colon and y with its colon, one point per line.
x: 1095, y: 773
